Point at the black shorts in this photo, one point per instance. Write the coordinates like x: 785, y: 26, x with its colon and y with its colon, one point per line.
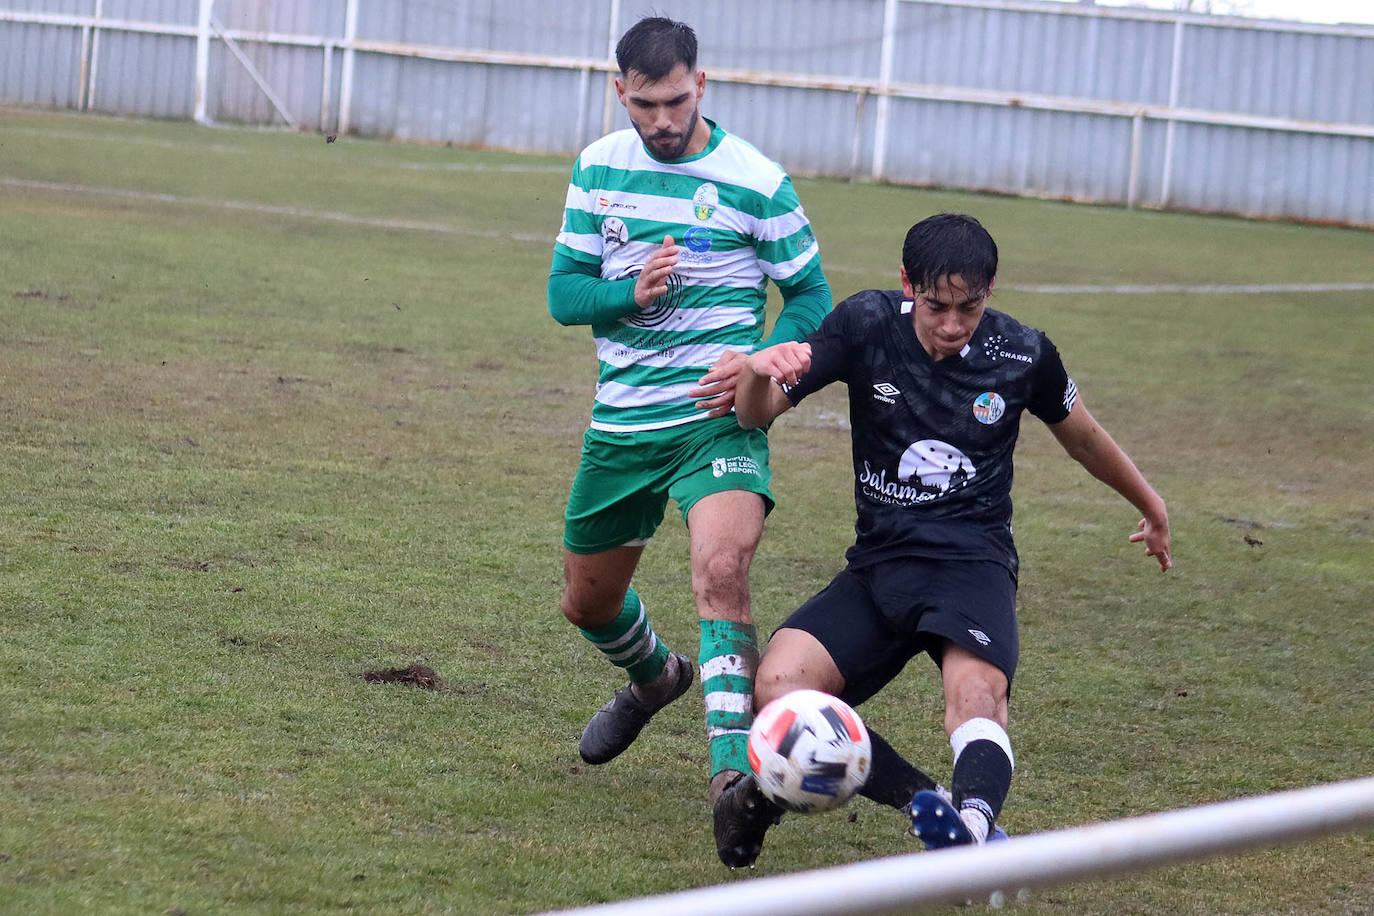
x: 874, y: 619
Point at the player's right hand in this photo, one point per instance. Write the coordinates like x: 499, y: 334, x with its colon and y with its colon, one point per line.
x: 784, y: 363
x: 653, y: 279
x: 1155, y: 534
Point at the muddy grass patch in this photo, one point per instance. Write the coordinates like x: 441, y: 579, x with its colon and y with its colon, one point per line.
x: 421, y: 676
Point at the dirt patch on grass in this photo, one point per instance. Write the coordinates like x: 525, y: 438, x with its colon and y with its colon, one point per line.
x: 421, y: 676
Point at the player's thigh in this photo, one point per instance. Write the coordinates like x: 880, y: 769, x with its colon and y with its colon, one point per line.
x: 724, y: 529
x: 618, y: 495
x: 972, y: 604
x: 795, y: 660
x: 716, y: 456
x: 864, y: 647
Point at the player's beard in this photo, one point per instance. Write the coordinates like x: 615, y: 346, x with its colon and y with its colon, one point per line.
x: 667, y: 146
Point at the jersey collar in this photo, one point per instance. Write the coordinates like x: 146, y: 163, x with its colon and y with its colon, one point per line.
x: 717, y: 135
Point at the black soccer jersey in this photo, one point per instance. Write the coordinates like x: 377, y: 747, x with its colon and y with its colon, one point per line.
x: 933, y: 440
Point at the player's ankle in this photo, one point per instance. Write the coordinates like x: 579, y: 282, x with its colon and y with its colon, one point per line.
x: 976, y: 822
x: 655, y: 691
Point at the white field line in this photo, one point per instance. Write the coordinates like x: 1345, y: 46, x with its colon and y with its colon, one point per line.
x: 1198, y: 289
x: 77, y: 136
x: 276, y: 210
x: 476, y: 167
x: 448, y: 229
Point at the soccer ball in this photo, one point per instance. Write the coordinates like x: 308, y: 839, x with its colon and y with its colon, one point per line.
x: 809, y: 751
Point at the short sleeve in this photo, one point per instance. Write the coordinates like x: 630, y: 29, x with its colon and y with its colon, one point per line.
x: 1053, y: 393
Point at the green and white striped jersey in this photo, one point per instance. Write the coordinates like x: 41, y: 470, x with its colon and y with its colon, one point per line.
x: 738, y: 221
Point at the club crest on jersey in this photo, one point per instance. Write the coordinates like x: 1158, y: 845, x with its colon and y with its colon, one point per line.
x: 988, y: 407
x: 705, y: 201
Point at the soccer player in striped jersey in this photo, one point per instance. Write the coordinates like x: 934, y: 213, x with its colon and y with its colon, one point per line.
x: 671, y: 230
x: 938, y: 383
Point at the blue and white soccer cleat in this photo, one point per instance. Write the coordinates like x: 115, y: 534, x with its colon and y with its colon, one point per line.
x: 936, y: 822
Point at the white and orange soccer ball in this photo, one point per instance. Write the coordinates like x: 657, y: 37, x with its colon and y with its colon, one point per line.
x: 810, y: 751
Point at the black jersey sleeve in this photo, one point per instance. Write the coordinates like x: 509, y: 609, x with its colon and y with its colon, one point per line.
x: 830, y: 355
x: 1053, y: 393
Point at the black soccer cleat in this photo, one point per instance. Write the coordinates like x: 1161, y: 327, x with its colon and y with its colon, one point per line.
x: 742, y: 815
x: 616, y: 725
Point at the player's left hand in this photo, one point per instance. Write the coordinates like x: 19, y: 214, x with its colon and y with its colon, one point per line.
x: 716, y: 389
x: 1156, y: 537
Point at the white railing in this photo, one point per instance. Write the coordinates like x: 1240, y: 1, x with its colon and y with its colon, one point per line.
x: 1151, y: 177
x: 1002, y: 870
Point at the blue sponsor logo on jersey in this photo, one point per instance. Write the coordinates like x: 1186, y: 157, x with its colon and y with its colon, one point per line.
x: 697, y: 239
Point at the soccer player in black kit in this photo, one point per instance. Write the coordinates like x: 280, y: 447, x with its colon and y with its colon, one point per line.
x: 937, y: 385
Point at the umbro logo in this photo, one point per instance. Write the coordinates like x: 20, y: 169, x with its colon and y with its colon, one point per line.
x: 983, y: 638
x: 885, y: 392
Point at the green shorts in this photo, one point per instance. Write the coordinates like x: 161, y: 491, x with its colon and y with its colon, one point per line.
x: 624, y: 480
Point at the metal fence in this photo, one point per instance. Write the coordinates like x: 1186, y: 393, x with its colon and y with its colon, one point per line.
x: 1046, y: 99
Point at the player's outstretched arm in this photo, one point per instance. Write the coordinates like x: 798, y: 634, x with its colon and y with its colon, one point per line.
x: 759, y: 398
x: 1091, y: 446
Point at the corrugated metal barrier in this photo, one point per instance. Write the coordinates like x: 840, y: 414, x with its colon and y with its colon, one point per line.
x: 1055, y: 100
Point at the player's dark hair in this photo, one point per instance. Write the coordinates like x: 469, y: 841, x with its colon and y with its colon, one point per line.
x: 946, y: 244
x: 655, y: 45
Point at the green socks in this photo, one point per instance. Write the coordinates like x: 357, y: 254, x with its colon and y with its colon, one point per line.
x: 729, y: 657
x: 629, y: 642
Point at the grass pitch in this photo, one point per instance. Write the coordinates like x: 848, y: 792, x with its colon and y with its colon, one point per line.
x: 276, y: 413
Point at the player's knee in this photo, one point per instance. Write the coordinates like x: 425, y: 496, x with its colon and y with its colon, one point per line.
x: 584, y: 610
x: 976, y: 693
x: 976, y: 699
x: 772, y: 681
x: 720, y: 582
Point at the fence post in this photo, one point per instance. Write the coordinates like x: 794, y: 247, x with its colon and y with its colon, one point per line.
x: 1175, y: 77
x: 884, y: 89
x: 346, y: 78
x: 90, y: 58
x: 608, y: 97
x: 207, y: 8
x: 1133, y: 180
